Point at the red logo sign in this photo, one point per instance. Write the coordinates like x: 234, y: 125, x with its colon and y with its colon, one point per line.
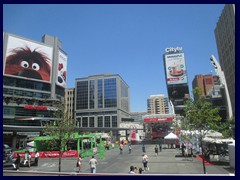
x: 39, y: 108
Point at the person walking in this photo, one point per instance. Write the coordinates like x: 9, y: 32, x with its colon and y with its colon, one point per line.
x: 143, y: 148
x: 121, y: 148
x: 93, y: 163
x: 130, y: 148
x: 29, y: 160
x: 145, y: 162
x: 79, y: 163
x: 17, y: 162
x: 36, y: 158
x: 183, y: 147
x: 160, y: 146
x: 156, y: 150
x: 25, y: 158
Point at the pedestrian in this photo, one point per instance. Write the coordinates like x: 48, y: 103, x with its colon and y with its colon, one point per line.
x: 136, y: 169
x: 143, y: 148
x: 36, y: 158
x: 130, y: 148
x: 121, y: 148
x: 160, y: 146
x: 17, y: 162
x: 145, y: 162
x: 93, y: 163
x: 186, y: 153
x: 131, y: 170
x: 25, y: 158
x: 29, y: 160
x: 140, y: 170
x: 112, y: 145
x: 183, y: 147
x: 156, y: 150
x: 79, y: 163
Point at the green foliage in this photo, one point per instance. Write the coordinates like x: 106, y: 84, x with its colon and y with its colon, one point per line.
x: 200, y: 115
x: 60, y: 130
x: 226, y: 127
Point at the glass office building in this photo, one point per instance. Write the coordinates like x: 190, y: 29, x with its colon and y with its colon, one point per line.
x: 101, y: 101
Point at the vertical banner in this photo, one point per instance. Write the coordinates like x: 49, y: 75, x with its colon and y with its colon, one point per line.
x: 133, y: 135
x: 62, y: 69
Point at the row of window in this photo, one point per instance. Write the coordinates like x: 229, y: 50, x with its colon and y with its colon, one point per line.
x: 85, y: 94
x: 19, y: 111
x: 96, y: 113
x: 105, y: 121
x: 25, y: 93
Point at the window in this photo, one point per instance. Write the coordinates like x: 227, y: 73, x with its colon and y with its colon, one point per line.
x: 110, y: 93
x: 114, y: 121
x: 100, y: 121
x: 82, y: 95
x: 85, y: 122
x: 91, y: 122
x: 107, y: 121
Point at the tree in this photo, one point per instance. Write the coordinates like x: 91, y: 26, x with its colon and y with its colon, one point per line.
x: 227, y: 128
x: 201, y: 116
x: 61, y: 129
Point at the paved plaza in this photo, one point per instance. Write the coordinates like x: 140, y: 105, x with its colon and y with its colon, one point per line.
x: 166, y: 163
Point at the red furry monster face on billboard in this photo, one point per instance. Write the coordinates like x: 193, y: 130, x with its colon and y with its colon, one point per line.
x: 30, y: 64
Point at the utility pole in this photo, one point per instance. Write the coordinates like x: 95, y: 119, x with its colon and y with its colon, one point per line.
x: 221, y: 75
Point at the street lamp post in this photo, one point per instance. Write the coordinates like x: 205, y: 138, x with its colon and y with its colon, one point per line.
x: 221, y: 75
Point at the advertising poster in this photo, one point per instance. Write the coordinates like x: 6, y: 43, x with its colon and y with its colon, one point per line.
x: 28, y: 60
x: 62, y: 69
x: 176, y: 68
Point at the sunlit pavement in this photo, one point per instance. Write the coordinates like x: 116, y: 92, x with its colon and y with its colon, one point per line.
x: 164, y: 164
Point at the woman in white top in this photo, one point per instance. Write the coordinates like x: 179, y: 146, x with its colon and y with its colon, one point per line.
x: 79, y: 162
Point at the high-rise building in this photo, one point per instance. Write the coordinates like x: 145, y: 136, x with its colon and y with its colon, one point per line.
x: 212, y: 92
x: 69, y: 102
x: 225, y: 38
x: 101, y: 101
x: 34, y: 79
x: 176, y: 78
x: 204, y: 82
x: 157, y: 104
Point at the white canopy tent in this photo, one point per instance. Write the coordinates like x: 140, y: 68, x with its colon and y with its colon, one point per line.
x: 171, y: 136
x: 31, y: 144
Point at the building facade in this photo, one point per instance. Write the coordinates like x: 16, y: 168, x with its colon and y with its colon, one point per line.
x: 101, y: 101
x: 157, y: 104
x: 34, y: 79
x: 204, y: 82
x: 225, y: 38
x: 69, y: 102
x: 212, y: 92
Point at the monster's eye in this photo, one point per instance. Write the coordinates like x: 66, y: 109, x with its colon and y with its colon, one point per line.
x: 24, y: 64
x: 35, y: 66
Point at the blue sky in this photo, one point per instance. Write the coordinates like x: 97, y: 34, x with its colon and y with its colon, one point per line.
x: 124, y: 39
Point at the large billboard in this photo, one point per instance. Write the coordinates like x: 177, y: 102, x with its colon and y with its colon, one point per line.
x: 28, y: 60
x: 62, y: 69
x: 176, y: 72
